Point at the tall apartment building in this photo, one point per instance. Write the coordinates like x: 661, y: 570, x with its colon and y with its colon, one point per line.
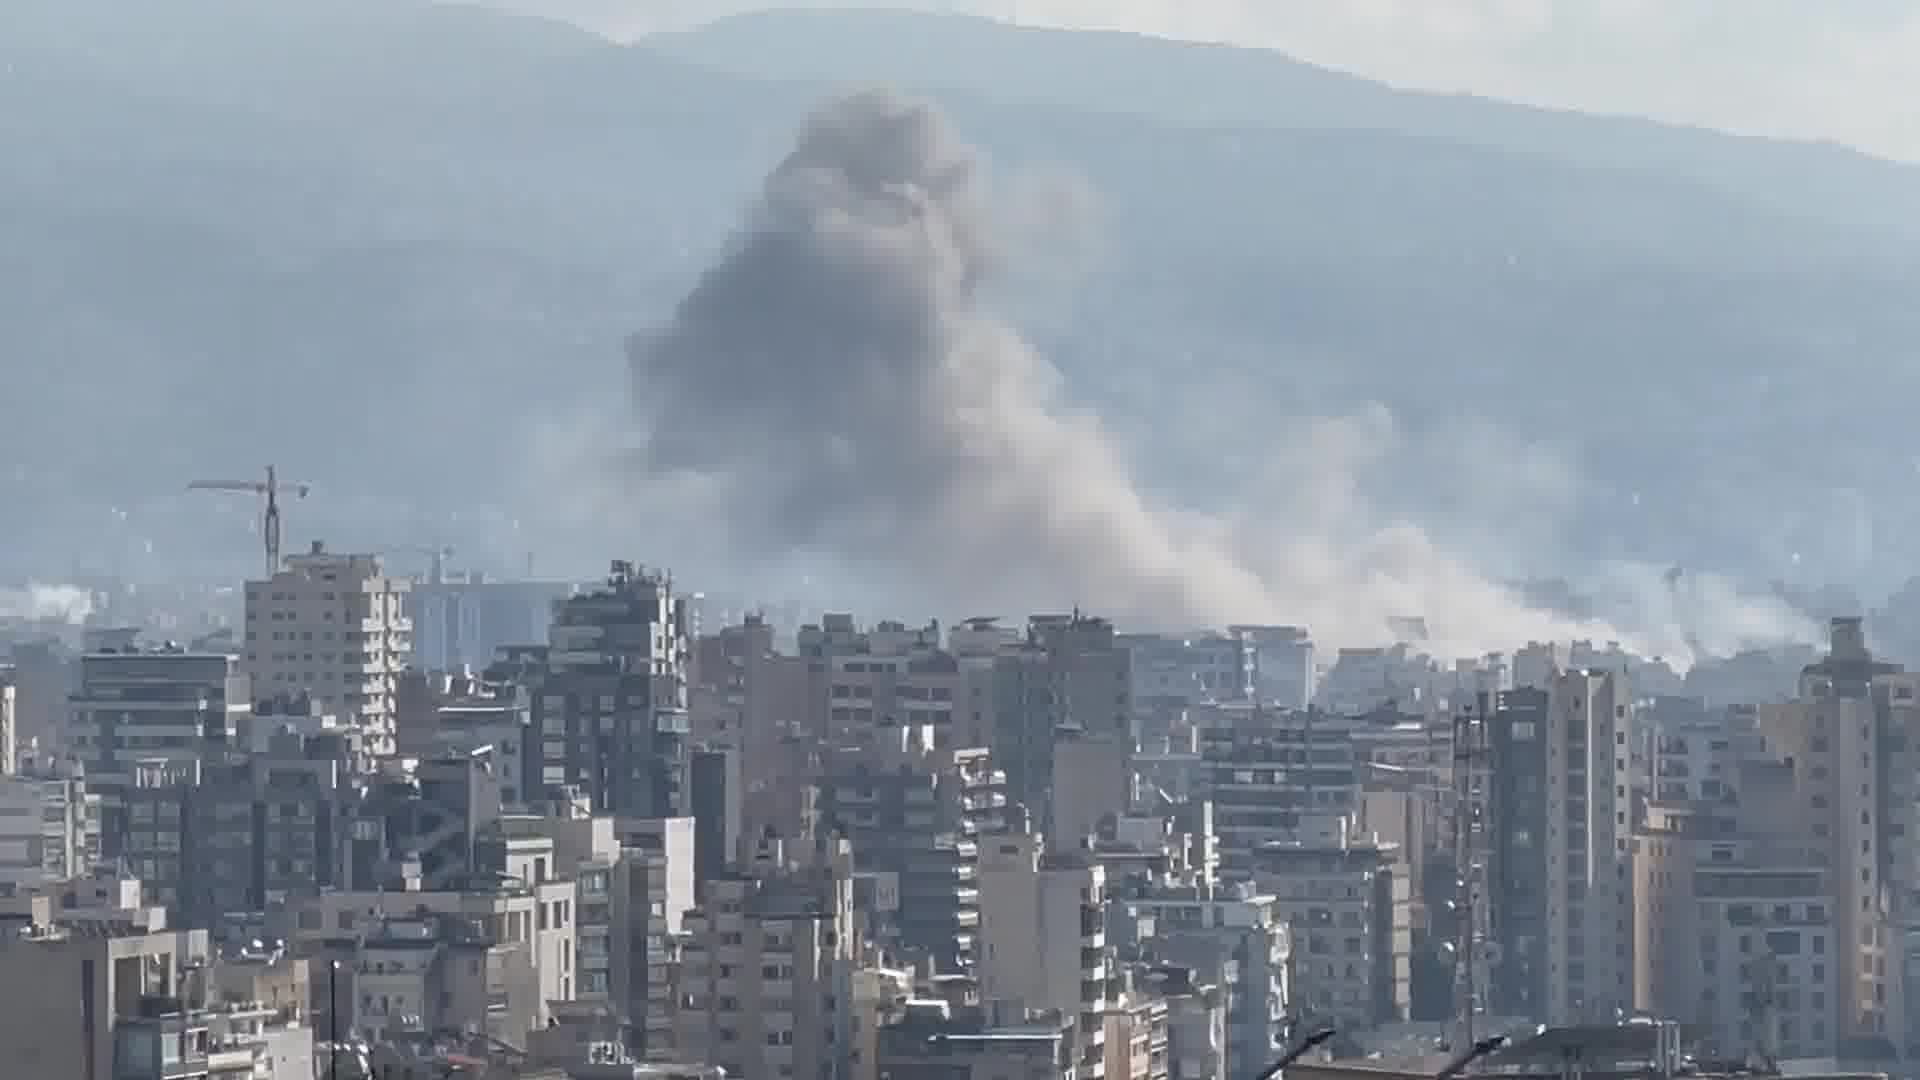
x: 919, y: 813
x: 1560, y: 892
x: 1737, y: 938
x: 238, y: 832
x: 1069, y: 672
x: 1043, y: 937
x: 9, y: 723
x: 652, y: 889
x: 1852, y: 744
x: 608, y: 701
x: 1268, y: 773
x: 135, y: 707
x: 333, y: 628
x: 749, y: 699
x: 568, y: 844
x: 1349, y: 907
x: 766, y: 981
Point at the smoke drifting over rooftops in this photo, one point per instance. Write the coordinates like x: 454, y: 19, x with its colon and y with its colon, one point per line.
x: 52, y: 603
x: 837, y: 384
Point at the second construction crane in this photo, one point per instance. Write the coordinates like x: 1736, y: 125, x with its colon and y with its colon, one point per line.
x: 270, y: 490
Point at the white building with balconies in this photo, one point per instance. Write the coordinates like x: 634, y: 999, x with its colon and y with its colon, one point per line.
x: 335, y: 629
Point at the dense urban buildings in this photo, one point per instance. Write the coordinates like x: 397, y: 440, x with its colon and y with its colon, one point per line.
x: 857, y: 851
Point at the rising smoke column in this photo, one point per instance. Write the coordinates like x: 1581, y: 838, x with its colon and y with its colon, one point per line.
x: 836, y: 384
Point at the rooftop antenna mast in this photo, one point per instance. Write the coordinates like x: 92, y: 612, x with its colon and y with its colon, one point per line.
x: 270, y: 517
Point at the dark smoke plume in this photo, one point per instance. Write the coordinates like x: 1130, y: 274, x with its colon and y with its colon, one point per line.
x: 837, y: 377
x: 835, y: 385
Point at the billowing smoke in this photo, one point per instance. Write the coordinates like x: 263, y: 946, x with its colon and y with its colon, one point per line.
x: 46, y: 603
x: 838, y: 385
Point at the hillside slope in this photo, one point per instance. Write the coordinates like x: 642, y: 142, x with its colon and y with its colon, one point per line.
x: 1220, y: 86
x: 382, y: 244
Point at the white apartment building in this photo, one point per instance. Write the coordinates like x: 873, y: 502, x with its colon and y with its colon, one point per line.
x: 1043, y: 937
x: 49, y: 829
x: 334, y: 628
x: 9, y: 724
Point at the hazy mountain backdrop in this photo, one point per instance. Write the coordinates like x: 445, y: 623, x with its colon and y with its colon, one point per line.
x: 390, y: 247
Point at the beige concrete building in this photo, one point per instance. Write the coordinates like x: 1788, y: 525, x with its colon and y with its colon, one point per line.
x: 1849, y: 744
x: 511, y: 911
x: 1741, y: 943
x: 1136, y: 1037
x: 766, y: 979
x: 880, y: 996
x: 335, y: 628
x: 1348, y: 904
x: 1043, y: 937
x: 652, y: 887
x: 1092, y: 782
x: 427, y: 973
x: 68, y: 992
x: 580, y: 848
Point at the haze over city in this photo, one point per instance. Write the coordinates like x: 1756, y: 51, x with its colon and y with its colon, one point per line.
x: 1133, y: 540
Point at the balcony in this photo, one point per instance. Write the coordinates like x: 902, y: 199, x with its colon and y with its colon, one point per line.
x: 1093, y: 920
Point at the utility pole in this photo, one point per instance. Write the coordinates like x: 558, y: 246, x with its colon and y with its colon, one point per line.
x: 333, y: 1020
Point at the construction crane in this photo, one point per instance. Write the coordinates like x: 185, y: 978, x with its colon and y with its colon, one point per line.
x: 439, y: 555
x: 270, y: 518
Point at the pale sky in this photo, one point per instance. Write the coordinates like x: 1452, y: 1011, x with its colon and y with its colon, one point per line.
x: 1841, y: 70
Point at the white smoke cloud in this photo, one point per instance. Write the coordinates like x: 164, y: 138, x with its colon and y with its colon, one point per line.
x: 58, y: 603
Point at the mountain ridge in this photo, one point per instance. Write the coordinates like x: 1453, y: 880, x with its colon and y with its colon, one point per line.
x: 259, y: 230
x: 1205, y: 85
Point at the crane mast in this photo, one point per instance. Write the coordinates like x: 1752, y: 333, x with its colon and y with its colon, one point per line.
x: 269, y: 490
